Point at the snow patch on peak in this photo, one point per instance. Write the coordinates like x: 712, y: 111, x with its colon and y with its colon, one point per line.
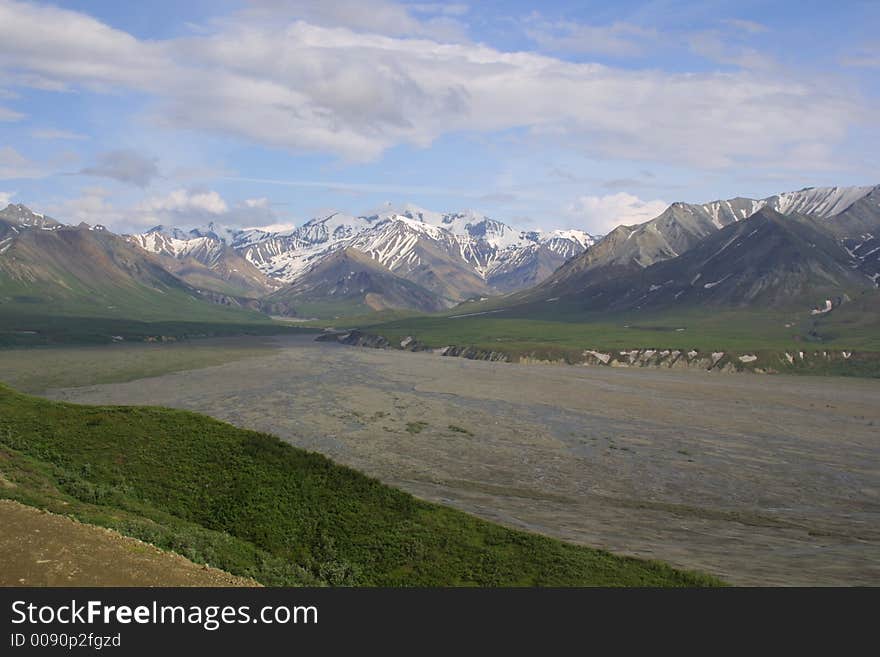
x: 22, y: 215
x: 820, y: 201
x: 581, y: 237
x: 168, y: 231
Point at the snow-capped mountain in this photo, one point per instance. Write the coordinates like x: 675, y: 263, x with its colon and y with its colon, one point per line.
x: 84, y: 267
x: 16, y: 214
x: 462, y: 255
x: 454, y: 255
x: 170, y: 241
x: 205, y: 260
x: 821, y: 202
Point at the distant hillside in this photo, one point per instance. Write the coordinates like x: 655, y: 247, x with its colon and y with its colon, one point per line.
x: 47, y: 267
x: 768, y: 260
x: 255, y: 506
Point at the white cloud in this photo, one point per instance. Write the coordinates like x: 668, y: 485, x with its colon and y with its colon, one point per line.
x: 600, y: 214
x: 752, y: 27
x: 617, y: 39
x: 181, y: 208
x: 376, y: 16
x: 8, y: 115
x: 865, y: 57
x: 6, y: 198
x: 445, y: 8
x: 14, y: 165
x: 275, y: 228
x: 358, y: 90
x: 91, y: 206
x: 124, y: 166
x: 724, y: 48
x: 51, y: 133
x: 181, y: 201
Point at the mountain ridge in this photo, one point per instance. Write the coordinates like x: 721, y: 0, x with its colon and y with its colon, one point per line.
x: 629, y: 249
x: 767, y: 260
x: 428, y: 261
x: 475, y: 254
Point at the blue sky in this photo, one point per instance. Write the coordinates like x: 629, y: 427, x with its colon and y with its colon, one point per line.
x: 551, y: 114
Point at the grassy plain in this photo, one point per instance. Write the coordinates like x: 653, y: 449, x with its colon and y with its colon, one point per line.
x: 558, y: 332
x: 704, y: 330
x: 20, y: 329
x: 38, y: 369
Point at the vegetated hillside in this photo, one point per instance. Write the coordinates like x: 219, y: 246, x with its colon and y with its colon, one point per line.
x: 255, y: 506
x: 85, y: 270
x: 348, y: 282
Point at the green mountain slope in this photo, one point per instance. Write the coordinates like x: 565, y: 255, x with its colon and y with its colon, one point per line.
x: 252, y: 505
x: 50, y: 269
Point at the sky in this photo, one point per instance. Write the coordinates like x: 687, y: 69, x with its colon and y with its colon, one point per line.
x: 541, y: 114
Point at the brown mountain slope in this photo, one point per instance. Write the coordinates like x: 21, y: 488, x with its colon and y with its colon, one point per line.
x: 348, y: 280
x: 207, y: 263
x: 88, y: 270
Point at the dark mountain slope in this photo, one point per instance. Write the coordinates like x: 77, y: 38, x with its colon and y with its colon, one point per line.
x: 768, y: 260
x: 858, y: 229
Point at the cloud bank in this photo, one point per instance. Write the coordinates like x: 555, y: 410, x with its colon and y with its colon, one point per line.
x: 309, y: 77
x: 602, y: 213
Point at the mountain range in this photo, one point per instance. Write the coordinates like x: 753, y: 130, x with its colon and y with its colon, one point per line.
x: 791, y: 249
x: 799, y: 248
x: 451, y: 257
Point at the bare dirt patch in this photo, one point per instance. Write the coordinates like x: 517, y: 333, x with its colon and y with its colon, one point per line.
x: 38, y: 548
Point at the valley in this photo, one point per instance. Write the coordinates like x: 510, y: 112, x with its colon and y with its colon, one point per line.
x: 402, y: 294
x: 757, y: 480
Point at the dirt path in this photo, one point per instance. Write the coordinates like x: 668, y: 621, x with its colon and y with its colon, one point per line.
x: 758, y: 479
x: 43, y: 549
